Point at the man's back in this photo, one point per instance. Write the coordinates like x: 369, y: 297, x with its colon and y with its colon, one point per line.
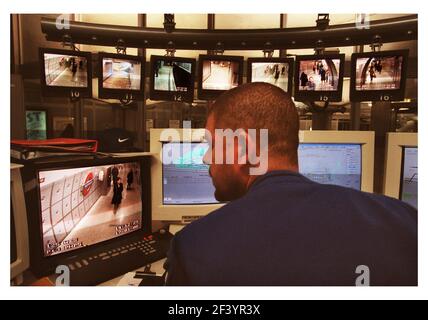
x: 288, y: 230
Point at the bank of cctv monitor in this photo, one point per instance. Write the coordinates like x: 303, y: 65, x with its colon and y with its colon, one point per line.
x: 401, y: 167
x: 344, y: 158
x: 182, y: 190
x: 19, y: 250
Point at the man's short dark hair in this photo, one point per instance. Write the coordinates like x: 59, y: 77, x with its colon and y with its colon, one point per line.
x: 261, y: 105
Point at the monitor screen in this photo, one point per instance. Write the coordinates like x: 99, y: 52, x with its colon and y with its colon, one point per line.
x: 36, y: 125
x: 278, y: 73
x: 121, y: 74
x: 409, y: 176
x: 84, y: 206
x: 328, y: 163
x: 65, y: 70
x: 186, y: 179
x: 378, y: 73
x: 220, y: 74
x: 319, y: 74
x: 170, y: 75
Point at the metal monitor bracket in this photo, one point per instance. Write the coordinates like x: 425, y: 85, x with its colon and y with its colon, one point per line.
x: 377, y: 43
x: 120, y: 46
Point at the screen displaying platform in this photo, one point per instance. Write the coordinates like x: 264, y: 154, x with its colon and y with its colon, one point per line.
x: 122, y: 74
x: 66, y: 70
x: 220, y: 75
x: 85, y: 206
x: 186, y: 179
x: 319, y: 75
x: 328, y: 163
x: 276, y: 73
x: 378, y: 73
x: 173, y: 76
x: 409, y: 176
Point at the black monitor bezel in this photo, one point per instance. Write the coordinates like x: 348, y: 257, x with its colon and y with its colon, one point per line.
x: 378, y: 95
x: 163, y: 189
x: 322, y: 96
x: 171, y: 95
x: 42, y: 265
x: 55, y: 91
x: 206, y: 94
x: 108, y: 93
x: 289, y: 61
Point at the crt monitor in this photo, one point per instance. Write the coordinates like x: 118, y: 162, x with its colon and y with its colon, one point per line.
x: 65, y: 72
x: 74, y: 207
x: 319, y: 77
x: 378, y: 76
x: 218, y: 74
x: 401, y: 167
x: 120, y: 76
x: 344, y: 158
x: 172, y: 78
x: 276, y: 71
x: 181, y: 186
x: 19, y: 243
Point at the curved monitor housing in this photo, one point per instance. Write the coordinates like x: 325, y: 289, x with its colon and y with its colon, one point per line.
x: 120, y: 76
x: 378, y: 76
x: 276, y: 71
x: 182, y: 190
x: 218, y: 74
x: 172, y: 78
x: 319, y: 77
x: 345, y: 158
x: 401, y: 167
x: 65, y: 72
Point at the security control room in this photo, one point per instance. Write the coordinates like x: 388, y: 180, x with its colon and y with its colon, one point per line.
x: 214, y: 149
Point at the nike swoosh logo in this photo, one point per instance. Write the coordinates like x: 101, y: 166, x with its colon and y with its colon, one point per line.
x: 122, y: 140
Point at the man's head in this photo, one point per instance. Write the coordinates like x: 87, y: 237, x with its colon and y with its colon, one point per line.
x: 252, y: 106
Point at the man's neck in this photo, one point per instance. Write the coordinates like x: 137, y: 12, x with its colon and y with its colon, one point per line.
x: 273, y: 166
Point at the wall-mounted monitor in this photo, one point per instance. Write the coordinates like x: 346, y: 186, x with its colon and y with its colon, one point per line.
x: 120, y: 76
x: 319, y: 77
x: 378, y: 76
x: 172, y: 78
x: 218, y: 74
x: 65, y: 72
x: 276, y: 71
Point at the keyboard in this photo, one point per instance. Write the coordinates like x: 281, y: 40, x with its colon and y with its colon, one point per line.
x: 114, y: 261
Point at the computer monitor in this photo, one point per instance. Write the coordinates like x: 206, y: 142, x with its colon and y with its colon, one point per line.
x: 182, y: 190
x: 218, y: 74
x: 65, y: 72
x: 73, y: 207
x: 378, y: 76
x: 19, y: 245
x: 319, y: 77
x: 172, y: 78
x: 120, y: 76
x: 401, y: 167
x: 276, y: 71
x: 344, y: 158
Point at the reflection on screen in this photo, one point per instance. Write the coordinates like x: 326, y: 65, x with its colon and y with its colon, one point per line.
x: 84, y: 206
x: 327, y: 163
x: 409, y: 177
x: 185, y: 178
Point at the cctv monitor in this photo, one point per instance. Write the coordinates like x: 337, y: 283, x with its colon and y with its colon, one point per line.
x: 19, y: 242
x: 172, y: 78
x: 75, y: 208
x: 401, y: 167
x: 276, y: 71
x: 182, y: 190
x: 218, y: 74
x: 120, y: 76
x: 319, y: 77
x: 345, y: 159
x: 378, y: 76
x: 65, y: 72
